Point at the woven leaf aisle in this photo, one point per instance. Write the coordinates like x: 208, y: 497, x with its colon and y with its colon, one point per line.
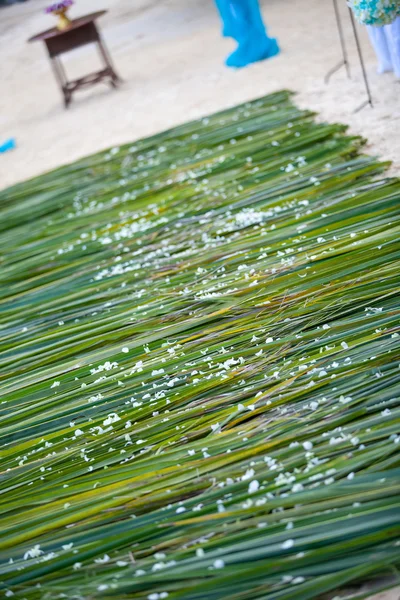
x: 199, y: 363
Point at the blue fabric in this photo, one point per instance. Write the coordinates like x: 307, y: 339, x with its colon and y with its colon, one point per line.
x: 7, y: 145
x: 243, y: 22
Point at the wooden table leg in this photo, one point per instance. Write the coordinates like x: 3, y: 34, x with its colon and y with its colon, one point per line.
x: 67, y: 97
x: 61, y: 79
x: 115, y: 79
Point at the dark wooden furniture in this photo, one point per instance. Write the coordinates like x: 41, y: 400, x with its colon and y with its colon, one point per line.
x: 82, y: 31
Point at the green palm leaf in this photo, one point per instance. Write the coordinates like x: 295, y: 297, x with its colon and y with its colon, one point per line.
x: 199, y: 364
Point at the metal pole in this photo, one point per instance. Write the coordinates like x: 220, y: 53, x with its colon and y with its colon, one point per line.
x: 360, y: 55
x: 344, y: 62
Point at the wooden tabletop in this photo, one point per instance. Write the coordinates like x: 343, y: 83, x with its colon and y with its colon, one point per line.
x: 54, y: 32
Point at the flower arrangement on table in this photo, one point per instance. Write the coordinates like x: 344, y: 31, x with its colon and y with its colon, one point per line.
x: 60, y: 9
x: 375, y: 12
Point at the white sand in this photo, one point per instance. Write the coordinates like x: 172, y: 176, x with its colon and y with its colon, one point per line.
x: 389, y: 595
x: 171, y: 56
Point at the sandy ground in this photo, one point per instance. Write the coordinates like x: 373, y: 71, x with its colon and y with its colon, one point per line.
x: 170, y: 55
x: 390, y: 595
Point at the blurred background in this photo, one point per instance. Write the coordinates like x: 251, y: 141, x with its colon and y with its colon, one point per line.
x: 171, y: 55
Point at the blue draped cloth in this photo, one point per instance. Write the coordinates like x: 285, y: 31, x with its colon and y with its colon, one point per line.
x: 243, y: 22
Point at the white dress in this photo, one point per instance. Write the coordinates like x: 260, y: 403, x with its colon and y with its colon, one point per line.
x: 386, y: 41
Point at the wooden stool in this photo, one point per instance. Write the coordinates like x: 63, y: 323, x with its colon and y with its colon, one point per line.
x: 82, y: 31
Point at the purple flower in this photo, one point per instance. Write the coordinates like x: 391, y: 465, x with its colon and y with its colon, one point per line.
x: 58, y: 6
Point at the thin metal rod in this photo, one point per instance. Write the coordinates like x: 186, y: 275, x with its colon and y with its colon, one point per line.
x: 345, y: 61
x: 334, y: 70
x: 360, y: 55
x: 363, y: 105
